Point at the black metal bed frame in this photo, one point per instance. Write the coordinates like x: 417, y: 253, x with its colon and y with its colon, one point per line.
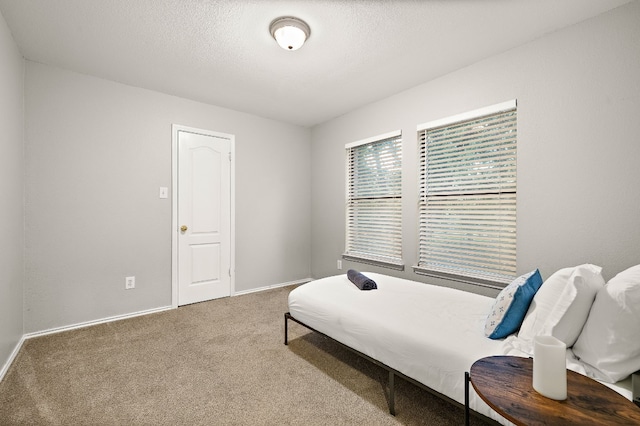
x: 392, y: 373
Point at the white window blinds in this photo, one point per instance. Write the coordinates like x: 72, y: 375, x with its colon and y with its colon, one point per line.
x: 374, y: 201
x: 467, y: 207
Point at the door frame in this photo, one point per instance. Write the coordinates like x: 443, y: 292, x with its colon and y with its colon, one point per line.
x: 175, y: 128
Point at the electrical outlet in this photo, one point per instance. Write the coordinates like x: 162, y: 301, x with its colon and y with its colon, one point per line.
x: 129, y: 283
x: 339, y: 264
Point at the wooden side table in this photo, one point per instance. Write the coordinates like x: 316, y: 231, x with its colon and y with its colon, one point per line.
x: 505, y: 384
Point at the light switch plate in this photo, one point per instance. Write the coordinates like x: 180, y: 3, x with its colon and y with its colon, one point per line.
x: 164, y: 192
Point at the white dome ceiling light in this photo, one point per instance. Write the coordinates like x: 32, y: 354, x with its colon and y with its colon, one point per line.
x: 289, y: 32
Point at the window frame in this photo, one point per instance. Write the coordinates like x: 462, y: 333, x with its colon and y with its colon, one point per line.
x: 396, y: 261
x: 466, y: 275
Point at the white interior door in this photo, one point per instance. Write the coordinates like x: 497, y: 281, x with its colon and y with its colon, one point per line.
x: 203, y: 217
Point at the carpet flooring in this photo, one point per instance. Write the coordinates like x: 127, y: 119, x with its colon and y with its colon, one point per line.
x: 221, y: 362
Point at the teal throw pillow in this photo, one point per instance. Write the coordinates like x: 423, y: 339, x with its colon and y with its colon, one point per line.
x: 511, y: 305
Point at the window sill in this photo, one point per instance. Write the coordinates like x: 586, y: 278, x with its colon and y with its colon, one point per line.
x: 498, y: 285
x: 374, y: 262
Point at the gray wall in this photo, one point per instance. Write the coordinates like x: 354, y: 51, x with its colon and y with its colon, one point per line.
x: 578, y: 93
x: 97, y: 151
x: 96, y: 154
x: 11, y: 193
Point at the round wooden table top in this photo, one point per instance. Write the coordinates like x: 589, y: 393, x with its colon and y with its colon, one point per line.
x: 505, y: 384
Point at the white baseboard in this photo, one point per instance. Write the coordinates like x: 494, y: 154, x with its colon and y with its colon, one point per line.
x: 12, y: 357
x: 147, y: 312
x: 269, y: 287
x: 95, y: 322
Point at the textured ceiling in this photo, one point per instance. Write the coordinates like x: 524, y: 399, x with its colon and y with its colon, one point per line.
x: 221, y: 52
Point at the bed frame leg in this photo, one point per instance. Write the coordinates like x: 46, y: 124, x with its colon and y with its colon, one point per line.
x: 286, y: 331
x: 466, y: 398
x: 392, y: 392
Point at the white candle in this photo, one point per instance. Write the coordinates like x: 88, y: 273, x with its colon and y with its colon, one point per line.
x: 549, y: 367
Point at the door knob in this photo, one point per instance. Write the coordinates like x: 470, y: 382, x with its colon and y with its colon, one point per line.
x: 183, y: 228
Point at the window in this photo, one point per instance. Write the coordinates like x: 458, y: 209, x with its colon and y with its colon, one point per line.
x: 467, y: 228
x: 374, y: 201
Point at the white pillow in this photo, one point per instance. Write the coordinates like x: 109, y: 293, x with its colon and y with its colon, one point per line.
x: 610, y: 340
x: 561, y: 306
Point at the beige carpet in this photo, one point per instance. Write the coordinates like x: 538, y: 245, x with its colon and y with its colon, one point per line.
x: 215, y: 363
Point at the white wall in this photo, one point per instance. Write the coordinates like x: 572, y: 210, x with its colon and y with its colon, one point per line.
x: 11, y: 194
x: 578, y: 95
x: 96, y: 154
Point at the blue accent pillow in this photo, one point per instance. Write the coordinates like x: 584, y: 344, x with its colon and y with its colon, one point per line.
x: 511, y: 305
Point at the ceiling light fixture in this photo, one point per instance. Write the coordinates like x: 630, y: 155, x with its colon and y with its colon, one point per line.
x: 289, y: 32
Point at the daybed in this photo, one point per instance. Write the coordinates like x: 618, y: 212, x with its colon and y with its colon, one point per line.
x: 431, y: 335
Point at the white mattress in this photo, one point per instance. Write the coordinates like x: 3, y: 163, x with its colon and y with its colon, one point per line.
x: 432, y: 334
